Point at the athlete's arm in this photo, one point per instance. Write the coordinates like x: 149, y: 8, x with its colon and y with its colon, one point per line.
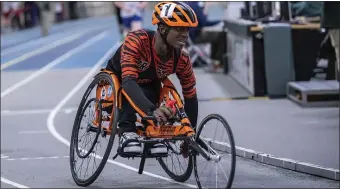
x: 130, y: 53
x: 187, y: 79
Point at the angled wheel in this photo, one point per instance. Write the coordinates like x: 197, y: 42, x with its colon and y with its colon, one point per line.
x: 100, y: 116
x: 214, y: 135
x: 176, y: 165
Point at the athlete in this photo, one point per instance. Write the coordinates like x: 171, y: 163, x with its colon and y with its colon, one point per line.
x: 119, y: 18
x: 131, y: 14
x: 143, y: 60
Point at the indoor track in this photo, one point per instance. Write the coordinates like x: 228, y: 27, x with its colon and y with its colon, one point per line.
x: 42, y: 82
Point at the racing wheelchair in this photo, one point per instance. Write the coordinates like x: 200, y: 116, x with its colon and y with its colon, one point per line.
x: 192, y: 145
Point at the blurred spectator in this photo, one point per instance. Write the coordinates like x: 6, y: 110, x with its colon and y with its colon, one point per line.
x: 5, y: 12
x: 31, y: 12
x: 59, y: 10
x: 73, y: 10
x: 16, y: 13
x: 47, y: 9
x: 119, y: 18
x: 131, y: 13
x: 198, y: 35
x: 331, y: 21
x: 200, y: 8
x: 307, y: 8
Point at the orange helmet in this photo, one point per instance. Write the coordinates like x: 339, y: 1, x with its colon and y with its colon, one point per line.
x: 174, y: 14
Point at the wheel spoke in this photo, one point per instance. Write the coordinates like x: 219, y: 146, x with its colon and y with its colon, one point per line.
x: 84, y: 146
x: 206, y: 136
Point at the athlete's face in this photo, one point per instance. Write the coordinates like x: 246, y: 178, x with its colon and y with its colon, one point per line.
x: 178, y: 36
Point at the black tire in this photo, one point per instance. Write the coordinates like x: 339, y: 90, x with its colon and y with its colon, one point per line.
x: 188, y: 170
x: 74, y: 137
x: 232, y: 147
x: 182, y: 177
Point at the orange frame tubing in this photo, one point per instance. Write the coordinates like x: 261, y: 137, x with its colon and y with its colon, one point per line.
x: 116, y: 101
x: 166, y: 131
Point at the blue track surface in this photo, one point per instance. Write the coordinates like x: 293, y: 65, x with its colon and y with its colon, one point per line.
x: 21, y: 43
x: 17, y: 38
x: 90, y: 55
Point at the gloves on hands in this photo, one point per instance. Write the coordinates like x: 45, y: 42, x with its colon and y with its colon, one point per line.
x: 163, y: 113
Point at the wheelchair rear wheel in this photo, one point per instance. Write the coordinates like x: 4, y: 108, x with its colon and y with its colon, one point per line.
x: 176, y: 165
x: 103, y: 127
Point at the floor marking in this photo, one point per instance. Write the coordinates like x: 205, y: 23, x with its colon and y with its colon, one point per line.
x: 69, y: 110
x: 37, y: 42
x: 3, y: 156
x: 79, y: 85
x: 36, y: 158
x: 55, y: 62
x: 41, y: 50
x: 40, y: 41
x: 35, y: 111
x: 33, y: 132
x: 17, y: 185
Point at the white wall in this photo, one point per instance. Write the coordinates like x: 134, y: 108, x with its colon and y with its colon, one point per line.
x: 97, y: 8
x: 234, y: 10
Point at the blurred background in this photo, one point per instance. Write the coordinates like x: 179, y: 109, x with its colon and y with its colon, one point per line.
x: 23, y: 15
x: 302, y: 18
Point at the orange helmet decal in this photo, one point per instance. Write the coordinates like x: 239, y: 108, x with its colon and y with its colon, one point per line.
x: 174, y: 14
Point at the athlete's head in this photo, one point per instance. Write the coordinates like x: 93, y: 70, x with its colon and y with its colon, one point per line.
x: 174, y: 20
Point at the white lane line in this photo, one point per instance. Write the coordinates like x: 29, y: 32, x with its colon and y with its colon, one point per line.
x: 32, y: 132
x: 55, y: 62
x: 36, y: 158
x: 35, y: 111
x: 41, y: 50
x: 69, y: 110
x: 79, y: 85
x: 3, y: 156
x: 17, y: 185
x: 41, y: 41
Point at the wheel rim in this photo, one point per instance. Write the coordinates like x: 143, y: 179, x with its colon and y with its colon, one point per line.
x: 178, y: 164
x: 175, y: 164
x: 211, y: 174
x: 92, y: 154
x: 89, y: 128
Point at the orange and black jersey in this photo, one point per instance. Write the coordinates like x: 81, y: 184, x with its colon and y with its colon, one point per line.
x: 137, y: 63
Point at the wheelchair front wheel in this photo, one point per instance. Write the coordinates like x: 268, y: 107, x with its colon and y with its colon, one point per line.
x: 209, y: 138
x: 178, y: 171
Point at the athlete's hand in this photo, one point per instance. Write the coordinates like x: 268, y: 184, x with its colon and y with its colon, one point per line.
x: 162, y: 114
